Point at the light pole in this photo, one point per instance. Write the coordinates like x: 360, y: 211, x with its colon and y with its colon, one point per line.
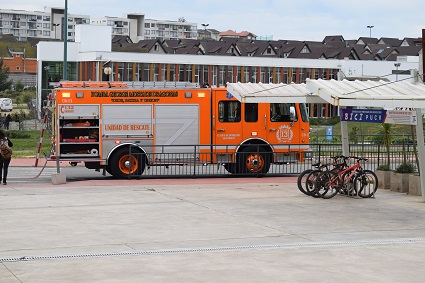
x: 370, y: 30
x: 205, y: 31
x: 55, y: 25
x: 396, y: 65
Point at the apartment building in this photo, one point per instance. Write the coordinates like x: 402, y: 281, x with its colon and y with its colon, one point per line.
x: 47, y: 24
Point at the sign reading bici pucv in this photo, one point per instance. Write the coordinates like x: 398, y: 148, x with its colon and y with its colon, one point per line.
x: 406, y: 117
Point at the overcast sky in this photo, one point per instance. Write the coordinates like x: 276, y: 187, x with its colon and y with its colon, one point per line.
x: 282, y: 19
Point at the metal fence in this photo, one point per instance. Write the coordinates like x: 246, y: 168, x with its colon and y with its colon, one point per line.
x: 188, y: 161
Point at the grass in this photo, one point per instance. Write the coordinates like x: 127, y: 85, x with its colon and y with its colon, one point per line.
x: 25, y: 143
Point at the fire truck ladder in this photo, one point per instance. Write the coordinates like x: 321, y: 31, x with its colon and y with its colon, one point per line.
x: 43, y: 129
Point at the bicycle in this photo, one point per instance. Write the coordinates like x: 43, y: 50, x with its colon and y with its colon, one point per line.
x: 352, y: 180
x: 302, y: 177
x: 338, y: 163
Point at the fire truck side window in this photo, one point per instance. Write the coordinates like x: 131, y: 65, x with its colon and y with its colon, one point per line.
x: 304, y: 112
x: 229, y: 111
x: 282, y: 112
x: 251, y: 112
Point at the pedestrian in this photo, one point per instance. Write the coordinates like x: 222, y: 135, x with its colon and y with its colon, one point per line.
x: 3, y: 120
x: 5, y: 156
x: 7, y: 121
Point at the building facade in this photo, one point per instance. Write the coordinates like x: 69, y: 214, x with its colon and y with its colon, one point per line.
x: 137, y: 27
x: 89, y: 56
x: 47, y: 24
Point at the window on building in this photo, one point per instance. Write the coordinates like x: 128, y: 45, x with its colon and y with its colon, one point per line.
x: 172, y: 72
x: 46, y: 18
x: 46, y: 25
x: 147, y: 73
x: 70, y: 27
x: 18, y: 68
x: 155, y: 72
x: 39, y: 17
x: 229, y: 111
x: 46, y: 32
x: 147, y: 25
x: 278, y: 78
x: 246, y: 75
x: 70, y: 34
x: 305, y: 50
x: 182, y: 68
x: 238, y: 74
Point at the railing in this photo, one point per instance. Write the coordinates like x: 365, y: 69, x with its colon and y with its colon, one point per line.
x: 190, y: 161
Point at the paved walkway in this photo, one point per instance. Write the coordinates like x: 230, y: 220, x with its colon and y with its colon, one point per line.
x: 206, y: 230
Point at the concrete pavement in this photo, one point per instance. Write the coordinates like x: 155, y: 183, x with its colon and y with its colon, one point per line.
x: 205, y: 230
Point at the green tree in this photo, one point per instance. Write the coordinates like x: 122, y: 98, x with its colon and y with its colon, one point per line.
x: 5, y: 83
x: 19, y: 86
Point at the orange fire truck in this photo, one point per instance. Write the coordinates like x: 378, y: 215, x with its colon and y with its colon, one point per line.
x: 122, y: 129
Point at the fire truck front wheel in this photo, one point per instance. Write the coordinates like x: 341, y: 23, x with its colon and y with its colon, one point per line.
x: 123, y: 164
x: 253, y: 160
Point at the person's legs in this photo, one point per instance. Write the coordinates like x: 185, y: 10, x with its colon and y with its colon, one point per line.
x: 5, y: 170
x: 1, y: 167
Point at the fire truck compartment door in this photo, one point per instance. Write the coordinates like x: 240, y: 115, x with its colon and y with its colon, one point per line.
x: 176, y: 124
x: 127, y: 120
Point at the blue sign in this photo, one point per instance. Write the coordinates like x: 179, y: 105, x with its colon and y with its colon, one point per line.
x: 329, y: 132
x: 362, y: 115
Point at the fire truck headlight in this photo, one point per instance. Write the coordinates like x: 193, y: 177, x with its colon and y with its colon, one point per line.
x: 117, y: 142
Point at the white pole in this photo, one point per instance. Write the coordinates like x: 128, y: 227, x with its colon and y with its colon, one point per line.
x: 344, y: 138
x: 421, y: 150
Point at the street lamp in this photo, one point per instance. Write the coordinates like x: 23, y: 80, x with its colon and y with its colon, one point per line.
x: 396, y: 65
x: 55, y: 25
x: 370, y: 30
x: 205, y: 30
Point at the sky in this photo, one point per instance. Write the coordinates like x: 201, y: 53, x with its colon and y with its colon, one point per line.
x: 308, y: 20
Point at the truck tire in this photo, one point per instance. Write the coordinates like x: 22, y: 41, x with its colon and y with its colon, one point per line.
x: 253, y: 161
x: 123, y: 165
x: 230, y: 167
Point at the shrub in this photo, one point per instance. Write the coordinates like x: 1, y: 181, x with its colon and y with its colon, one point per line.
x: 405, y: 168
x: 384, y: 168
x: 19, y: 135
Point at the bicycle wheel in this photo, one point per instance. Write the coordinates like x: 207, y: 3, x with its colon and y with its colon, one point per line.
x: 301, y: 180
x: 310, y: 182
x: 327, y: 184
x: 366, y: 184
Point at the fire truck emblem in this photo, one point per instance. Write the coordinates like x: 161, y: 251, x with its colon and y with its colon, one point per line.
x: 284, y: 134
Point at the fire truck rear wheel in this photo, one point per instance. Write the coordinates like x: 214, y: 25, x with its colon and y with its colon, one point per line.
x: 123, y: 164
x: 252, y: 160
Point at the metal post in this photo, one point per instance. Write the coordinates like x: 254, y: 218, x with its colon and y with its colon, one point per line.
x: 421, y: 149
x: 65, y: 75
